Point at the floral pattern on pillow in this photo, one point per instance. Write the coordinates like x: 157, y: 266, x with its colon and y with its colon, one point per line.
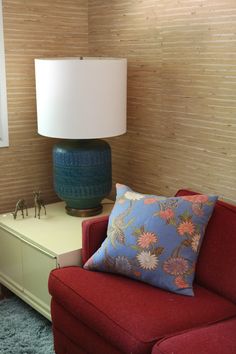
x: 154, y: 239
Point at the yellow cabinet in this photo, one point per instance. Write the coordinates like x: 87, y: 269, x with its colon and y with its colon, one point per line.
x: 36, y: 266
x: 10, y: 259
x: 30, y: 248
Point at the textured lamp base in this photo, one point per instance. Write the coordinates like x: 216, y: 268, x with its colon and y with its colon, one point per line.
x: 84, y: 212
x: 82, y: 175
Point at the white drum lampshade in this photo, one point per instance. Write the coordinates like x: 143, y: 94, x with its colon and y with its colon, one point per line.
x: 81, y: 100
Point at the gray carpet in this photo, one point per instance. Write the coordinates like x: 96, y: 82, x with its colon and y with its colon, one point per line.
x: 23, y: 330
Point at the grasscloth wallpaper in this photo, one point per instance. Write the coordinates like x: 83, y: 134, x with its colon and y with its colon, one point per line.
x: 181, y: 90
x: 34, y: 29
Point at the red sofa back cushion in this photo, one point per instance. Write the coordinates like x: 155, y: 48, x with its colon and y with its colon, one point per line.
x: 216, y: 266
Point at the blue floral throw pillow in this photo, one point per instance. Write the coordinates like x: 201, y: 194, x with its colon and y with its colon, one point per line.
x: 154, y: 239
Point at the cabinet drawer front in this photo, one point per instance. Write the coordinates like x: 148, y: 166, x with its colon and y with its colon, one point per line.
x: 36, y: 268
x: 10, y: 260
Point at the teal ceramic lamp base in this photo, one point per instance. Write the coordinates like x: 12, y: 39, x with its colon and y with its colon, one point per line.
x: 82, y: 175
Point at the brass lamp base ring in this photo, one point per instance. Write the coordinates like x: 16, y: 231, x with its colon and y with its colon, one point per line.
x: 84, y: 212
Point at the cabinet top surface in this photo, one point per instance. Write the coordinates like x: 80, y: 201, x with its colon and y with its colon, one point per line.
x: 56, y: 232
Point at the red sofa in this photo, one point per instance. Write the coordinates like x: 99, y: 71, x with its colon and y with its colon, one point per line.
x: 100, y: 313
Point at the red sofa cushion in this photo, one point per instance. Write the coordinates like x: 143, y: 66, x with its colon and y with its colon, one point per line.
x: 73, y: 337
x: 63, y: 345
x: 216, y: 266
x: 129, y: 314
x: 219, y: 338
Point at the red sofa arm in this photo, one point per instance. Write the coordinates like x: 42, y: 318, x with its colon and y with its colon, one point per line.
x: 94, y: 232
x: 184, y: 192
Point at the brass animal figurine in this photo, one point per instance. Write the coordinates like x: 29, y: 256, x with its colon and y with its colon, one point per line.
x: 20, y: 206
x: 38, y: 204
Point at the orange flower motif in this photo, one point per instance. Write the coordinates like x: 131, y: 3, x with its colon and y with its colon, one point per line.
x: 146, y: 239
x: 167, y: 214
x: 121, y: 201
x: 201, y: 198
x: 181, y: 283
x: 150, y: 200
x: 186, y: 227
x: 137, y: 274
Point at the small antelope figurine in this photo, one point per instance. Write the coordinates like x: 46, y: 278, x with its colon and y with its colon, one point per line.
x: 20, y: 206
x: 38, y: 204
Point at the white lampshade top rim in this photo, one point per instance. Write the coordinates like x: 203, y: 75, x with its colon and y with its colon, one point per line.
x: 81, y: 98
x: 80, y: 58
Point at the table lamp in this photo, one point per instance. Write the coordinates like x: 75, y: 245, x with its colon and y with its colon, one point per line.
x: 81, y: 100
